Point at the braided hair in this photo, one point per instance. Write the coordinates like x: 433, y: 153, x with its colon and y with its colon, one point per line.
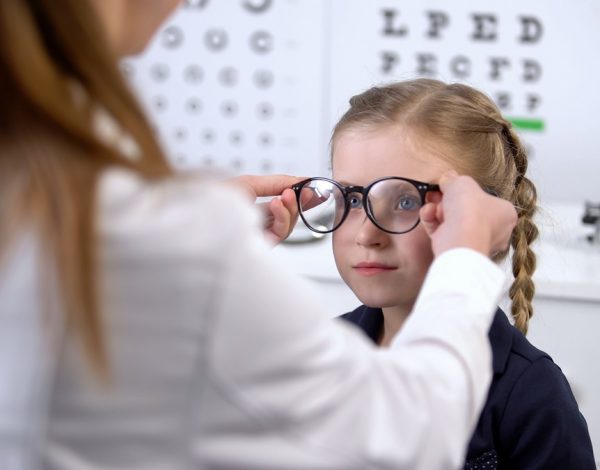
x: 524, y: 198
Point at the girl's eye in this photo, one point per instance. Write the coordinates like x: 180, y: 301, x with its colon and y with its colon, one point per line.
x: 408, y: 203
x: 355, y: 202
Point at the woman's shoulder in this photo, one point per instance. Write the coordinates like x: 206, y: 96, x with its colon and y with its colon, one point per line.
x: 122, y: 191
x: 188, y: 211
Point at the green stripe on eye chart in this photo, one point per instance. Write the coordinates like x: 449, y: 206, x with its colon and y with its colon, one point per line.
x: 534, y: 125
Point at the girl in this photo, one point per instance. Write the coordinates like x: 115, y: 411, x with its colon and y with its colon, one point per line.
x: 414, y: 131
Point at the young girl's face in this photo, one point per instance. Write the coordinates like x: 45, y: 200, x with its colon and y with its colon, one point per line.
x: 382, y: 269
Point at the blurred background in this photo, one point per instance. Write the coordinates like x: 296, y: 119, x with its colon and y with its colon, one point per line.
x: 255, y: 86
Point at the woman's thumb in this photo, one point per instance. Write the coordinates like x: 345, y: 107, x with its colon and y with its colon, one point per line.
x: 429, y: 219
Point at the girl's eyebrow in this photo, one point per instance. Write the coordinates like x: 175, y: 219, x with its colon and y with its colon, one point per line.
x: 343, y: 182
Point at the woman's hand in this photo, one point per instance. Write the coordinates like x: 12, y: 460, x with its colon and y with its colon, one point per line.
x: 281, y: 213
x: 463, y: 215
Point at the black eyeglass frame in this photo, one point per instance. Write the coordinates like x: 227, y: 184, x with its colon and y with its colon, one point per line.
x: 422, y: 188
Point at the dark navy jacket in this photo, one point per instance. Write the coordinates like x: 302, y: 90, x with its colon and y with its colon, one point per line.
x: 531, y: 419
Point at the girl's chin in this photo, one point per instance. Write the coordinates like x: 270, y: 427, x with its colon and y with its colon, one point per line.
x: 382, y: 299
x: 379, y: 301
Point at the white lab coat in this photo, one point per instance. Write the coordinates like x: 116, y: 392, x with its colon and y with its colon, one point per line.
x: 222, y: 359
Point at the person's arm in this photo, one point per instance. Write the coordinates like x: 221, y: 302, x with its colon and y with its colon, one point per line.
x: 220, y: 351
x: 541, y: 427
x: 291, y: 389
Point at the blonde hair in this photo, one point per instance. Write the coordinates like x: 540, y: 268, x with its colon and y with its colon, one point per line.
x: 50, y: 155
x: 478, y: 141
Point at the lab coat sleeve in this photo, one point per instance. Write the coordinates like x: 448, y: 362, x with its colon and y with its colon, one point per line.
x: 289, y: 388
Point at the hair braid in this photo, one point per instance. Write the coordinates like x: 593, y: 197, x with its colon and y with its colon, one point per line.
x: 524, y: 197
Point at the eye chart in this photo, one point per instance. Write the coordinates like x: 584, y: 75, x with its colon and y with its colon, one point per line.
x: 255, y: 86
x: 536, y: 59
x: 239, y: 84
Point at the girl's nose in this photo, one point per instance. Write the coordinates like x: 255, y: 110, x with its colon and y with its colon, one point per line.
x: 368, y: 235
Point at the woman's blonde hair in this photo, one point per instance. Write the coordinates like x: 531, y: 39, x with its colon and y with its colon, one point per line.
x: 477, y: 141
x: 56, y: 71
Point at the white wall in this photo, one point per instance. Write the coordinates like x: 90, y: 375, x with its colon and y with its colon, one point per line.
x: 255, y: 85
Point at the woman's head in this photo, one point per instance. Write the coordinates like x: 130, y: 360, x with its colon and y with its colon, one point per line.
x: 458, y: 127
x: 58, y: 71
x: 59, y: 65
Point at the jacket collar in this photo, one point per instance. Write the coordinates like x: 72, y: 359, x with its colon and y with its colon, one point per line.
x: 370, y: 320
x: 501, y: 336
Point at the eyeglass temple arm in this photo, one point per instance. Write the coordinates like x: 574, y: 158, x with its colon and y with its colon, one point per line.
x: 436, y: 188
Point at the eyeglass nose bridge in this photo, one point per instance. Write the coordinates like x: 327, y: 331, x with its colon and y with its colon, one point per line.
x: 364, y: 193
x: 362, y: 190
x: 422, y: 188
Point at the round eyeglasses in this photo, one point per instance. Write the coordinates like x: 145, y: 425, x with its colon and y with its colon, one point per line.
x: 391, y: 203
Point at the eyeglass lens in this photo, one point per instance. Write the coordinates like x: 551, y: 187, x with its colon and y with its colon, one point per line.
x: 394, y: 205
x: 321, y: 205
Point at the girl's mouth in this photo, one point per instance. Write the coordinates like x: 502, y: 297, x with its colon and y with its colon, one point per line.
x: 371, y: 269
